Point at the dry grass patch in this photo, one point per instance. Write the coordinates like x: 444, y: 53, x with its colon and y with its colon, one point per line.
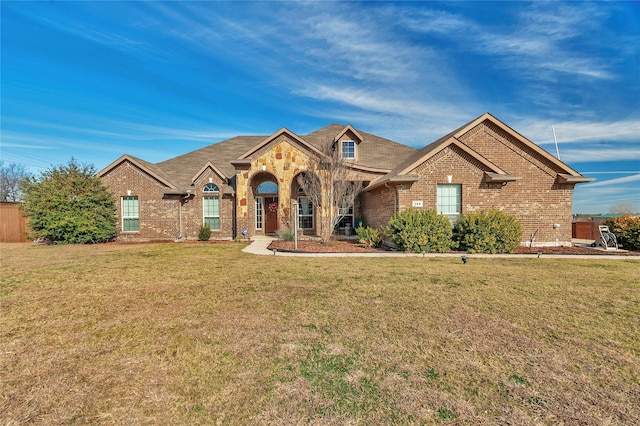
x: 199, y: 334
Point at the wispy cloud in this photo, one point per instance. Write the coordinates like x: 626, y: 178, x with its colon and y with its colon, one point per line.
x: 582, y: 131
x: 536, y: 42
x: 617, y: 182
x: 599, y: 154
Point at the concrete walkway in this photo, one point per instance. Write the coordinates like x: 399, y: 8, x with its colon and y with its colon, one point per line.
x: 259, y: 246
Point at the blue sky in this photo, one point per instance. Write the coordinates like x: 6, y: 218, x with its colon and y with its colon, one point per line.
x: 95, y: 80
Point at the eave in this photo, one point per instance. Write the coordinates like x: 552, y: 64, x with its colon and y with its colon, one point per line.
x: 395, y: 180
x: 171, y: 191
x: 493, y: 177
x: 244, y: 163
x: 572, y: 179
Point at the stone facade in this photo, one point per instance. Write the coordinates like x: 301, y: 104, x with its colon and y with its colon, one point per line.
x: 280, y: 162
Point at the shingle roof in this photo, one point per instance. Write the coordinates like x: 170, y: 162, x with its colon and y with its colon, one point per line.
x: 182, y: 168
x: 373, y: 152
x: 494, y: 173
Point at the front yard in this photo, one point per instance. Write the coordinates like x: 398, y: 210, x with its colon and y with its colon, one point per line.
x: 182, y: 333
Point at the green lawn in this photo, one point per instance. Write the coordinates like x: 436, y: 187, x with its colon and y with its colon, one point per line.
x: 186, y: 333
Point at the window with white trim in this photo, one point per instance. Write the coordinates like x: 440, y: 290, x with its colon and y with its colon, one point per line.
x: 305, y: 213
x: 130, y: 214
x: 259, y: 212
x: 348, y: 149
x: 347, y: 217
x: 211, y: 207
x: 449, y: 199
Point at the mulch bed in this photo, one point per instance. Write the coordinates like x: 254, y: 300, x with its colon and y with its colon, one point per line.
x: 333, y: 246
x: 350, y: 246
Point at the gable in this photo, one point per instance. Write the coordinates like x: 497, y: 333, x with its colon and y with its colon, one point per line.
x: 406, y: 172
x: 150, y: 170
x: 499, y: 132
x: 348, y: 133
x: 295, y: 139
x: 517, y: 153
x: 205, y: 168
x: 494, y: 145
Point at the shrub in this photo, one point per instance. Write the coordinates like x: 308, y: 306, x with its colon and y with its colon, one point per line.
x: 627, y: 230
x: 69, y: 204
x: 286, y: 234
x: 491, y: 231
x: 421, y: 231
x: 205, y: 233
x: 368, y: 237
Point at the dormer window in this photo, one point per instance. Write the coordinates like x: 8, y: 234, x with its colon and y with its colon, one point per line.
x: 349, y: 149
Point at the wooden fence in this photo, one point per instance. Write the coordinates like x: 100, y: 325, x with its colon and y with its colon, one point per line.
x: 585, y: 230
x: 13, y: 225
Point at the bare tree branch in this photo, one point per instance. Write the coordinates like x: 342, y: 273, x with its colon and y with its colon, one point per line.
x: 11, y: 176
x: 327, y: 184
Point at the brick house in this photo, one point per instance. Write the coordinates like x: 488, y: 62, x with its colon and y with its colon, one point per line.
x: 247, y: 185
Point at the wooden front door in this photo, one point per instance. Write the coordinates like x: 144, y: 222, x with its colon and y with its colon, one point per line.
x: 271, y: 215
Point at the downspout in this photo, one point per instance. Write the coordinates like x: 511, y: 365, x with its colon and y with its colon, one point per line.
x: 179, y: 237
x: 182, y: 200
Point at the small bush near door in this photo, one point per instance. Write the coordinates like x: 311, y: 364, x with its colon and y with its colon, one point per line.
x: 286, y: 234
x: 368, y: 237
x: 421, y: 231
x: 491, y: 231
x: 205, y: 233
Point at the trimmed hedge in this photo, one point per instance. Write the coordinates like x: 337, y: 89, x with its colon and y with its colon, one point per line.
x: 421, y: 231
x: 490, y: 231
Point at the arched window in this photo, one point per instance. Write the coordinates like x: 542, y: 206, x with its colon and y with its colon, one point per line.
x: 211, y: 207
x: 268, y: 188
x: 211, y: 187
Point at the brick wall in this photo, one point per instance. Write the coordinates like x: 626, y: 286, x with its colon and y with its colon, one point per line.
x: 160, y: 215
x: 193, y: 212
x: 536, y: 200
x: 378, y: 206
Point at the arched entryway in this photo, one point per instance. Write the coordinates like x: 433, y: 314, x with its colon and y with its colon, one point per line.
x: 266, y: 206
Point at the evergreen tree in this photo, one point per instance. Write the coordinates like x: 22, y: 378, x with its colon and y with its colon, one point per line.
x: 69, y: 204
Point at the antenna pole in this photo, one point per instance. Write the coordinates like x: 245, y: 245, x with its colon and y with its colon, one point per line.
x: 555, y: 141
